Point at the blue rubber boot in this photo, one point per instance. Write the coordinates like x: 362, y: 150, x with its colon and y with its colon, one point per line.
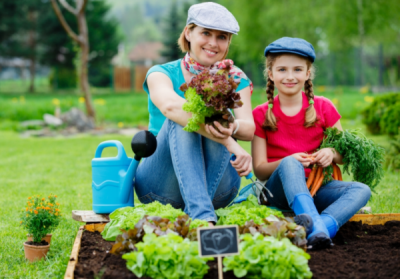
x: 331, y: 224
x: 319, y: 237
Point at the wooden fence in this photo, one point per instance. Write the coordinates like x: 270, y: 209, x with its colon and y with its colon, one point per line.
x: 126, y: 79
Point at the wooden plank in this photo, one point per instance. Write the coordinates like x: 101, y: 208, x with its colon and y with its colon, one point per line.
x: 95, y: 227
x: 376, y: 219
x: 73, y: 260
x: 88, y: 216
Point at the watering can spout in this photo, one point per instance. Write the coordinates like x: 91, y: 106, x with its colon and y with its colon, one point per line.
x: 127, y: 180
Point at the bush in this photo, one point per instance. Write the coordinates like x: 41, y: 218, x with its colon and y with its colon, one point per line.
x: 62, y: 78
x: 393, y: 154
x: 383, y: 115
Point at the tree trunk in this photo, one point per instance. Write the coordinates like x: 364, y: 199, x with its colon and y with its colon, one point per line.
x: 32, y: 45
x: 84, y: 80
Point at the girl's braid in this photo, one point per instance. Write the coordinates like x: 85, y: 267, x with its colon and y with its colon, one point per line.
x: 311, y: 115
x: 270, y: 120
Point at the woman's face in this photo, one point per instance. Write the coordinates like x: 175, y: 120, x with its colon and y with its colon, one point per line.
x: 207, y: 46
x: 289, y: 73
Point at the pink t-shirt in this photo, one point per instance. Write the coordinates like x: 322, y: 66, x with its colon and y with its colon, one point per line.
x: 291, y: 136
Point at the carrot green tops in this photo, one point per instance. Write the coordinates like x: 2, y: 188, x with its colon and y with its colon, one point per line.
x: 291, y: 136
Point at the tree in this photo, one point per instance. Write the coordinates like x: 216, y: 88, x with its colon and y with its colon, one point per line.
x: 174, y: 24
x: 82, y: 40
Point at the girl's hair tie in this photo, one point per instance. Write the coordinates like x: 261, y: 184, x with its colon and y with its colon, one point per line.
x: 311, y: 101
x: 270, y: 105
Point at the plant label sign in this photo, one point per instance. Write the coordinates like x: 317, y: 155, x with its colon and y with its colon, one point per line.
x: 219, y: 241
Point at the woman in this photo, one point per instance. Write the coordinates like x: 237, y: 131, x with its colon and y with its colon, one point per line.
x: 193, y: 171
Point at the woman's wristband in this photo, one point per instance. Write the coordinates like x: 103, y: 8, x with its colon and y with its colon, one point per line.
x: 237, y: 127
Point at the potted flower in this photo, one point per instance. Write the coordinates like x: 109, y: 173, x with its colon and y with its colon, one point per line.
x: 40, y: 217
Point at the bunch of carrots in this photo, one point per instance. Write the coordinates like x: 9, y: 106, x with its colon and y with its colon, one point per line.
x: 317, y: 175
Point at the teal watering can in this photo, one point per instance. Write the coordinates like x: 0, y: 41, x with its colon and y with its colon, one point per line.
x: 112, y: 177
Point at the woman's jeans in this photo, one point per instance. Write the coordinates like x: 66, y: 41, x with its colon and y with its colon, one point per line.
x: 339, y: 199
x: 189, y: 172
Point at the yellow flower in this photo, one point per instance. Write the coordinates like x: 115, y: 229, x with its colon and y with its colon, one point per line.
x: 29, y: 198
x: 57, y: 209
x: 55, y: 196
x: 57, y: 203
x: 36, y: 212
x: 335, y: 101
x: 56, y: 102
x: 43, y: 199
x: 364, y: 89
x: 20, y: 222
x: 56, y: 214
x: 38, y: 207
x: 100, y: 102
x: 27, y: 215
x: 81, y: 100
x: 27, y: 209
x: 120, y: 124
x: 368, y: 99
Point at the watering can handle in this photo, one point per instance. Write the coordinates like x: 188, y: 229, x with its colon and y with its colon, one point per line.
x: 111, y: 143
x: 250, y: 175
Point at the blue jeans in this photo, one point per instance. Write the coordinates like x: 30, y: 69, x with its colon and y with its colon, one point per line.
x: 189, y: 172
x: 340, y: 199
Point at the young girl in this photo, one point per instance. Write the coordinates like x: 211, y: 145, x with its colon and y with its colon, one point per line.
x: 291, y: 126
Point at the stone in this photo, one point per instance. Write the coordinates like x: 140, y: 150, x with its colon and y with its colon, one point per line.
x: 33, y: 123
x: 77, y: 118
x: 52, y: 120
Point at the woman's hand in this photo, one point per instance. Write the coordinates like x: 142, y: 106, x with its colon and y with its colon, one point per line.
x: 303, y: 158
x: 221, y: 132
x: 243, y: 163
x: 323, y: 157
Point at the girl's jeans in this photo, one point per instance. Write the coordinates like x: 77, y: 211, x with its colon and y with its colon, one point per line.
x: 189, y: 172
x: 339, y: 199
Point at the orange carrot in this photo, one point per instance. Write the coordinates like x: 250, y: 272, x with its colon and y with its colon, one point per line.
x: 317, y: 176
x: 335, y: 172
x: 339, y: 173
x: 311, y: 177
x: 317, y: 184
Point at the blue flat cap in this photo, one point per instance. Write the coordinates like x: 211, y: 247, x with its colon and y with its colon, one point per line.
x: 291, y: 45
x: 213, y: 16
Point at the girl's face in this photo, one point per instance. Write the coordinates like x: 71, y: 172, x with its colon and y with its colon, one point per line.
x: 289, y: 73
x: 207, y: 46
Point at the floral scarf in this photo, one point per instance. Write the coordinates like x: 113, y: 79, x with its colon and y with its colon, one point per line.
x: 195, y: 68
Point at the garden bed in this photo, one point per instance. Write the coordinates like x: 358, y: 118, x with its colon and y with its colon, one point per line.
x: 360, y: 251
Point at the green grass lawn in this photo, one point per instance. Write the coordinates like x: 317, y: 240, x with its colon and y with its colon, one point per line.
x: 62, y: 166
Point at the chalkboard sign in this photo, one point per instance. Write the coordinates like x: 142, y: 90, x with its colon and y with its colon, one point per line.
x: 218, y: 241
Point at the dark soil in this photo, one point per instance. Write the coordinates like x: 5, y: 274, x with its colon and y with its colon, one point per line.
x: 360, y: 251
x: 41, y: 243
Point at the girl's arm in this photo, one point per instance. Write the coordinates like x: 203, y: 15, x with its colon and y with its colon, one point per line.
x: 262, y: 168
x: 170, y: 104
x: 326, y: 156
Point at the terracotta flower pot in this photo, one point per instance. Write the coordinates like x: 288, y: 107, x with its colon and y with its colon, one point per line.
x: 47, y: 238
x: 35, y: 253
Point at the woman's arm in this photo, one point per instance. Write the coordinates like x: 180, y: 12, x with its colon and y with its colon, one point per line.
x: 170, y: 104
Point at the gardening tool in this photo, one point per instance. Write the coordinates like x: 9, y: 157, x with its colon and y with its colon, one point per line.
x: 112, y: 177
x: 257, y: 186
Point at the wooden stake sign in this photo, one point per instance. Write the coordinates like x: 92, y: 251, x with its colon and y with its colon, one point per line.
x: 220, y: 241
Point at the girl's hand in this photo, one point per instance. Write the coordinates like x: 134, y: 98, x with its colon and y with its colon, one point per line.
x: 303, y: 158
x: 221, y: 132
x: 243, y: 163
x: 323, y: 157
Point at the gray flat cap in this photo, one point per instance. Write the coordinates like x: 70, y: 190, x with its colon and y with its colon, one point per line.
x: 213, y: 16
